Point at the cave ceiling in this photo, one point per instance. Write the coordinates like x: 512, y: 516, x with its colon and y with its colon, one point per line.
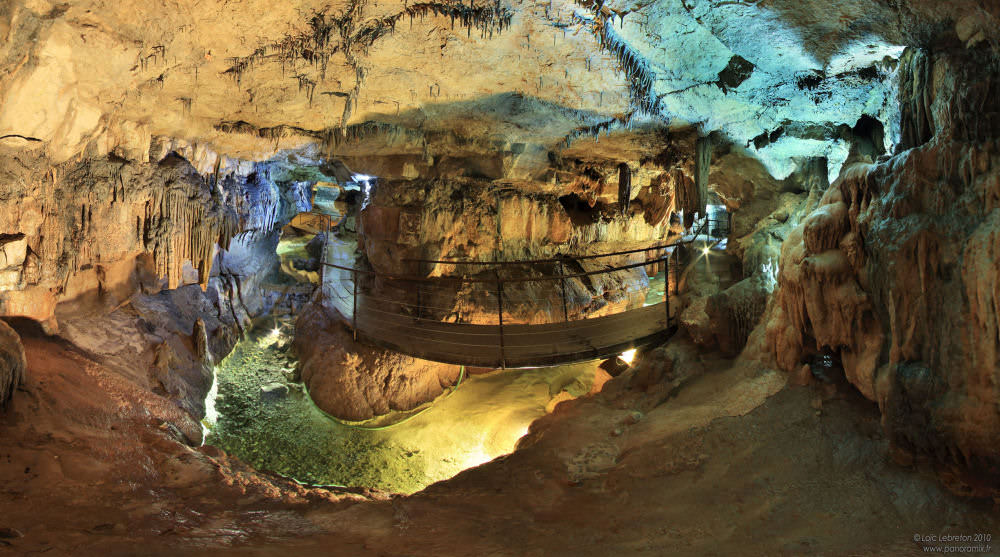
x: 251, y: 78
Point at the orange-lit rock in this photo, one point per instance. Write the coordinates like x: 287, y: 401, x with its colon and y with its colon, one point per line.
x: 896, y: 272
x: 356, y: 381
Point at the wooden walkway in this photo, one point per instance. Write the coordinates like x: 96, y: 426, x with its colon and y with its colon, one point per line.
x: 520, y: 345
x: 493, y: 345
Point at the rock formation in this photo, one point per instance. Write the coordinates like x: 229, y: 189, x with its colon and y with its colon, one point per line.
x: 354, y: 381
x: 83, y: 239
x: 89, y: 240
x: 896, y: 271
x: 474, y: 220
x: 12, y: 363
x: 153, y: 156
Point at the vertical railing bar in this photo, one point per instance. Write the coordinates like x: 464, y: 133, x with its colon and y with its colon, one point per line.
x: 503, y: 355
x: 666, y: 291
x: 562, y: 282
x: 354, y: 311
x: 420, y: 306
x: 677, y: 271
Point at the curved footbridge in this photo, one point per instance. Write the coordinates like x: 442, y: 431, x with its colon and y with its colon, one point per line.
x: 415, y: 314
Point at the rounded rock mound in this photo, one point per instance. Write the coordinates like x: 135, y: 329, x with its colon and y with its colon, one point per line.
x: 355, y: 381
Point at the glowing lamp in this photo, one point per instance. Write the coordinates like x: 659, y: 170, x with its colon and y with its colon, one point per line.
x: 627, y: 356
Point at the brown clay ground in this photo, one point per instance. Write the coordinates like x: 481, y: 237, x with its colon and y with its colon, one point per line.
x: 734, y: 464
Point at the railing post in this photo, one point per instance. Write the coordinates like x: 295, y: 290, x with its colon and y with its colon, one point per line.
x: 354, y: 311
x: 503, y: 356
x: 322, y: 273
x: 666, y: 291
x: 420, y: 305
x: 677, y: 271
x: 562, y: 281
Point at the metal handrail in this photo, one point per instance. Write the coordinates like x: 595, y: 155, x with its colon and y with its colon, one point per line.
x: 499, y: 284
x: 465, y: 280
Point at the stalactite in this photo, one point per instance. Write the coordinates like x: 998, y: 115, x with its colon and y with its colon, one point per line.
x: 592, y: 131
x: 702, y: 165
x: 178, y: 224
x: 316, y: 46
x: 274, y: 133
x: 685, y: 194
x: 335, y: 137
x: 637, y: 71
x: 916, y: 123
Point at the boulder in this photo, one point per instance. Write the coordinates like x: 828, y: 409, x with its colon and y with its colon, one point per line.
x: 178, y: 373
x: 651, y: 370
x: 314, y: 247
x: 273, y: 391
x: 302, y: 264
x: 735, y: 311
x: 356, y: 381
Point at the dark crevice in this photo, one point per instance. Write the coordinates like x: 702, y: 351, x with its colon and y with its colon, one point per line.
x: 19, y: 136
x: 580, y: 211
x: 736, y: 72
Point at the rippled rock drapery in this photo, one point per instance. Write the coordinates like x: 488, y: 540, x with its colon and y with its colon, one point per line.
x: 82, y: 227
x: 12, y: 362
x: 896, y: 271
x: 124, y: 257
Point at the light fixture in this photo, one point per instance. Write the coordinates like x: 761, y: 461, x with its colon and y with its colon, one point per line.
x: 627, y: 356
x: 705, y: 250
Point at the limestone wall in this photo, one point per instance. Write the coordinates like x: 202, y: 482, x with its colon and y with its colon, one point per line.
x: 896, y: 271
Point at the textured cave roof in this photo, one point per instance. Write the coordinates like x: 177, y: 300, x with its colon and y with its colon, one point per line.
x: 251, y: 78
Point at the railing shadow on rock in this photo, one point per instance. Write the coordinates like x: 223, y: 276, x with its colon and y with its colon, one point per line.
x: 502, y: 317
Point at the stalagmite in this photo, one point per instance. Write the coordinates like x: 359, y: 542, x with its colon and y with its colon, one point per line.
x: 624, y: 187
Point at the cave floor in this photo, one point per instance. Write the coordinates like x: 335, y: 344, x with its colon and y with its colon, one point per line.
x: 480, y: 419
x: 735, y: 463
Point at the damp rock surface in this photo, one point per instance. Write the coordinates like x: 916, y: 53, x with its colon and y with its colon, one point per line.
x: 895, y: 270
x: 12, y: 362
x: 477, y: 419
x: 617, y: 453
x: 356, y: 381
